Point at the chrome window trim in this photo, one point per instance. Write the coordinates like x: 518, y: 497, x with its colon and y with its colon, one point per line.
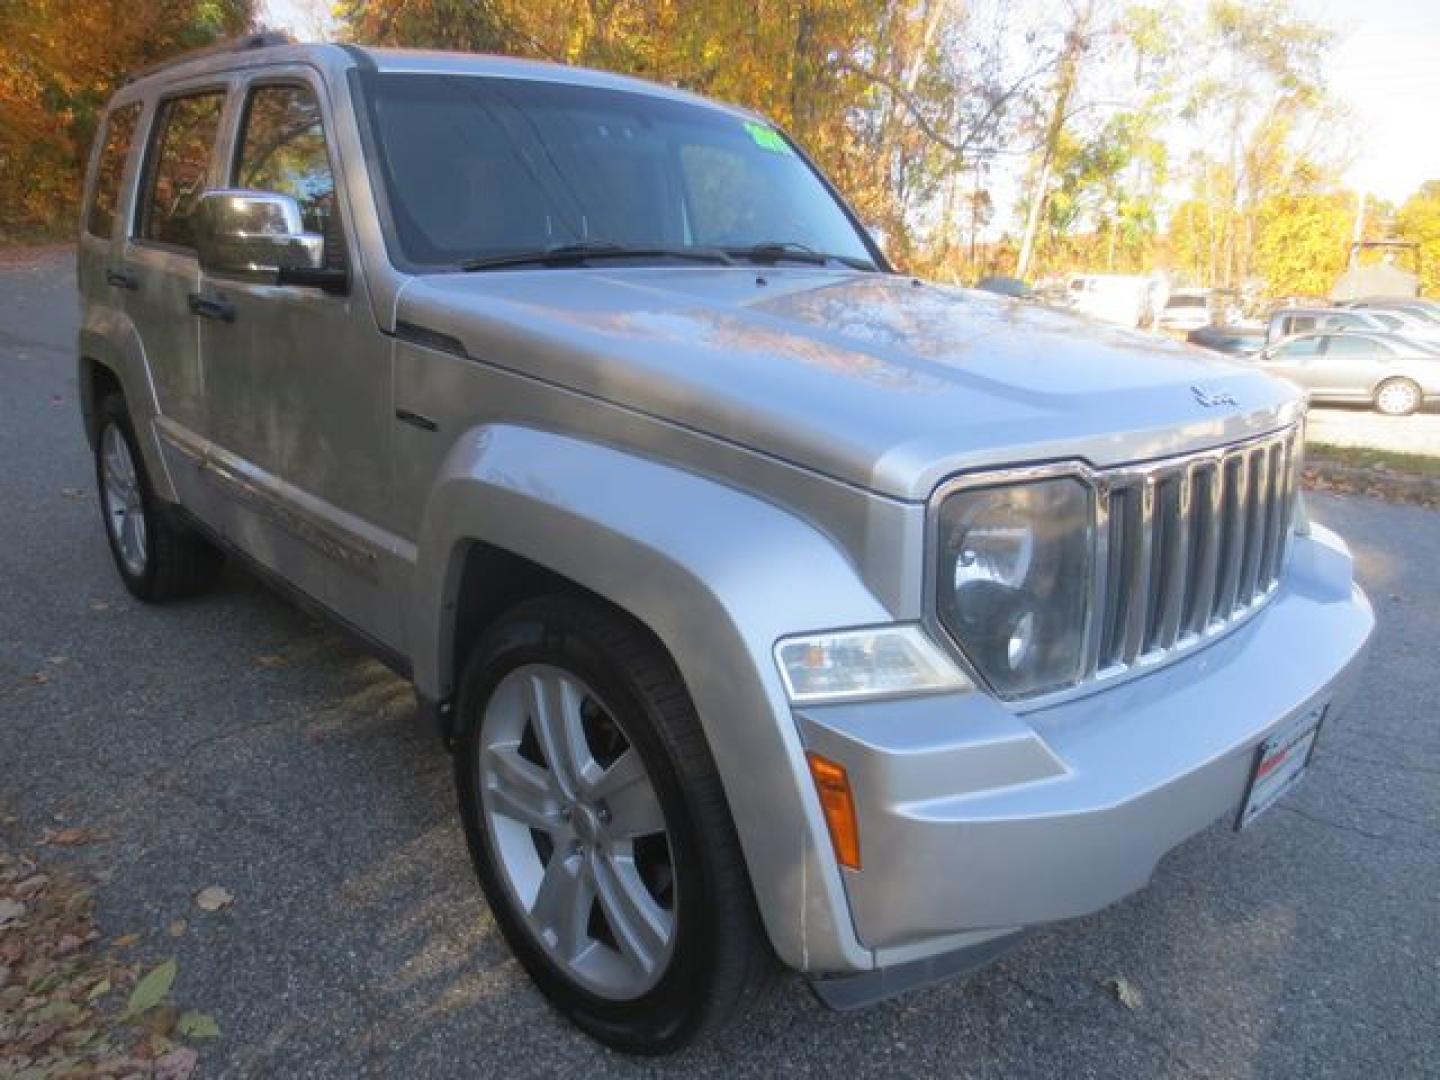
x: 1279, y: 451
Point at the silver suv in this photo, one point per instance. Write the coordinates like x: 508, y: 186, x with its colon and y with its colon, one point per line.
x: 774, y: 604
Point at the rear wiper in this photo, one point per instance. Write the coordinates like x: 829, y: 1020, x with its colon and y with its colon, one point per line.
x: 589, y: 250
x: 772, y: 251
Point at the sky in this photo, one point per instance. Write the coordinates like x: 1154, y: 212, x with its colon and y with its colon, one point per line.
x: 1386, y: 67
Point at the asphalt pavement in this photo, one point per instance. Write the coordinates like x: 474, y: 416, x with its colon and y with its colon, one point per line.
x: 233, y: 741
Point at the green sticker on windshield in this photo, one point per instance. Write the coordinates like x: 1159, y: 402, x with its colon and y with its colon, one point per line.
x: 767, y: 138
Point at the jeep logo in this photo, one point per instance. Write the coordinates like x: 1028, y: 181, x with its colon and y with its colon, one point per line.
x: 1209, y: 400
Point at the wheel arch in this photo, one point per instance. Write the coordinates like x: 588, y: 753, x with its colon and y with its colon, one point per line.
x: 96, y: 380
x: 715, y: 574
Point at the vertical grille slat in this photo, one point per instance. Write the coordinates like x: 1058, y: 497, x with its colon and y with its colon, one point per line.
x: 1184, y: 548
x: 1274, y: 515
x: 1232, y: 529
x: 1211, y: 509
x: 1257, y: 519
x: 1176, y: 577
x: 1113, y: 618
x: 1138, y: 578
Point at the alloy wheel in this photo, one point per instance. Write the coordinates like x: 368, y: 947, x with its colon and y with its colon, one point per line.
x: 121, y: 499
x: 577, y: 831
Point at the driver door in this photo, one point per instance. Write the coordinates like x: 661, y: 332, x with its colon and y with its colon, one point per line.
x: 298, y: 377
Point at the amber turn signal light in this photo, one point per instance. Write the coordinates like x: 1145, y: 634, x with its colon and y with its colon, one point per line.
x: 838, y: 804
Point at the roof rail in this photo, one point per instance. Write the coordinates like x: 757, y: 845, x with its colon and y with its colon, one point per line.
x: 261, y: 39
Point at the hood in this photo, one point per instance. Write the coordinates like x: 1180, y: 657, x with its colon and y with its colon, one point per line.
x: 877, y: 380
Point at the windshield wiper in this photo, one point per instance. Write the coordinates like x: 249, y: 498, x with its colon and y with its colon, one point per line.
x: 772, y: 251
x: 590, y: 250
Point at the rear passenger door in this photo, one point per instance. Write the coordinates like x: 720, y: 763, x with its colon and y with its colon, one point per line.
x: 1351, y: 365
x: 157, y: 268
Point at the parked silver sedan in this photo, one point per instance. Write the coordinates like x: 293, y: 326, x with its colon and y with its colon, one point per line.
x: 1397, y: 374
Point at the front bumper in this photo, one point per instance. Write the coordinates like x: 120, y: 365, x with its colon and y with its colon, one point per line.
x: 977, y: 819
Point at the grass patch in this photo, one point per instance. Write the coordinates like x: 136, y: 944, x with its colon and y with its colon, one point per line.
x: 1364, y: 457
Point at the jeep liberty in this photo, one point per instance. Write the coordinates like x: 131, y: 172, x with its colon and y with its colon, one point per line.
x: 775, y: 606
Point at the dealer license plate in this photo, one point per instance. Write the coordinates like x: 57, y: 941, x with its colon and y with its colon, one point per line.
x: 1280, y: 761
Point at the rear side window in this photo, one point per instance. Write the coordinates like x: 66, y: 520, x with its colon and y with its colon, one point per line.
x: 282, y: 149
x: 119, y: 134
x: 179, y: 166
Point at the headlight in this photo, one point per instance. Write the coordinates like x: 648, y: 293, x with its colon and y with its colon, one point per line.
x: 848, y: 665
x: 1014, y: 581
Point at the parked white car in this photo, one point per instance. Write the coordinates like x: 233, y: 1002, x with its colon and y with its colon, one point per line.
x: 1123, y: 299
x: 1185, y: 310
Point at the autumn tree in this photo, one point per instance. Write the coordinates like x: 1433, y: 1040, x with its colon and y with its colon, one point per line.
x: 1419, y: 221
x: 1264, y: 128
x: 59, y: 62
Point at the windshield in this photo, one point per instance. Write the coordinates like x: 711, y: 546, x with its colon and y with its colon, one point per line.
x: 480, y: 167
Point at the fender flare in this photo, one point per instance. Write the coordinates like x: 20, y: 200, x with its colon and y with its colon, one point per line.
x: 108, y: 338
x: 718, y: 575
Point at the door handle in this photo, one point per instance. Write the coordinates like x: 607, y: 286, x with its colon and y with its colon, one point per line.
x: 207, y: 307
x: 121, y: 280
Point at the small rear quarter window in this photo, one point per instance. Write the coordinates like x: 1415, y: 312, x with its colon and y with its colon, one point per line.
x: 118, y: 136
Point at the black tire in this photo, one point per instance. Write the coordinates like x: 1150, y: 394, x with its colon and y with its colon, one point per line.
x: 1398, y: 397
x: 720, y: 957
x: 177, y: 561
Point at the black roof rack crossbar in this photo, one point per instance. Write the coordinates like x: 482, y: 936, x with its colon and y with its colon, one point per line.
x: 262, y: 39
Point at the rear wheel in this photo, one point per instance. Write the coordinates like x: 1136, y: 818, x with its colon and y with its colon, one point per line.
x: 1397, y: 397
x: 158, y: 557
x: 599, y: 830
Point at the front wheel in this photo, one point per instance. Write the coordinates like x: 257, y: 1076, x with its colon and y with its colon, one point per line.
x: 1397, y: 397
x: 599, y: 830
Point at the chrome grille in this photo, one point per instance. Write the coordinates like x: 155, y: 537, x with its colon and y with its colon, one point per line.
x: 1186, y: 547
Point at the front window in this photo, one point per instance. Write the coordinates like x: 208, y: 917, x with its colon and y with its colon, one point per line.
x: 1305, y: 346
x: 282, y: 149
x: 479, y: 167
x: 1358, y: 345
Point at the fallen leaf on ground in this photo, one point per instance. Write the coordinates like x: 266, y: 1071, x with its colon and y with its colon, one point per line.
x: 124, y: 941
x: 269, y: 661
x: 32, y: 886
x: 178, y: 928
x: 214, y: 897
x: 11, y: 911
x: 151, y: 990
x: 1124, y: 991
x: 197, y: 1025
x: 73, y: 836
x: 178, y: 1064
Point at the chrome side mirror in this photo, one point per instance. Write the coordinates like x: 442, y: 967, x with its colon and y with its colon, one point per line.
x: 256, y: 236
